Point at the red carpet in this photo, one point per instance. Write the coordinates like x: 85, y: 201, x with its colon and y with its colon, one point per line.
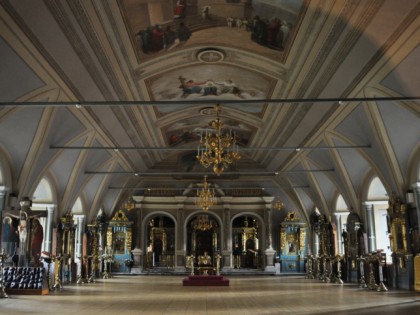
x: 205, y: 281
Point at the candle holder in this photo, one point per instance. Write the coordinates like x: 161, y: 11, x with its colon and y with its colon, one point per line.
x: 337, y: 260
x: 3, y: 257
x: 46, y: 257
x: 381, y: 287
x: 309, y: 273
x: 362, y: 281
x: 107, y: 260
x: 371, y: 278
x: 58, y: 264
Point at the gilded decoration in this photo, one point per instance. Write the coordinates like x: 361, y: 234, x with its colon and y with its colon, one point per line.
x: 397, y: 214
x: 292, y: 243
x: 119, y: 240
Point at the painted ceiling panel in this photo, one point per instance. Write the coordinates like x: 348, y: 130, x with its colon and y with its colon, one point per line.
x: 96, y: 158
x: 405, y: 79
x: 322, y: 158
x: 326, y: 185
x: 17, y: 133
x: 147, y: 22
x: 64, y: 165
x: 91, y: 188
x: 401, y: 124
x: 13, y: 72
x: 355, y: 165
x: 210, y: 82
x: 65, y: 127
x: 356, y: 127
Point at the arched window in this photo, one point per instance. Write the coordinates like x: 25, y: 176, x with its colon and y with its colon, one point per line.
x: 77, y: 207
x: 378, y: 199
x: 341, y: 213
x: 43, y: 192
x: 376, y: 191
x: 43, y: 196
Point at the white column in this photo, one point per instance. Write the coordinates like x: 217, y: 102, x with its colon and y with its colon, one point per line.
x: 370, y: 223
x: 3, y: 192
x: 3, y: 195
x: 48, y: 229
x: 80, y: 228
x: 316, y: 243
x: 339, y: 233
x: 269, y: 252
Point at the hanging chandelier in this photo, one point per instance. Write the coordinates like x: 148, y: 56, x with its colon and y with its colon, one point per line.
x: 202, y: 223
x: 129, y: 204
x: 278, y: 204
x: 217, y: 149
x: 205, y: 196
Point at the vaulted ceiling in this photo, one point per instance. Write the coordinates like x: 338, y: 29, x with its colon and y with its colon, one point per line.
x: 321, y: 95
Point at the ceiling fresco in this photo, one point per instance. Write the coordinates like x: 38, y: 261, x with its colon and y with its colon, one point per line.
x: 160, y: 26
x: 213, y: 82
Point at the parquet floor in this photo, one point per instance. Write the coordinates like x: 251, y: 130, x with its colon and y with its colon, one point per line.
x: 246, y: 295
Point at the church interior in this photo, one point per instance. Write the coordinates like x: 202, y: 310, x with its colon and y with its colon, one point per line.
x: 209, y: 156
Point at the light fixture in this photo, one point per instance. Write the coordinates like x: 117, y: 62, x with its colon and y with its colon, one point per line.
x: 202, y: 223
x: 129, y: 204
x: 217, y: 149
x: 278, y: 204
x: 205, y: 196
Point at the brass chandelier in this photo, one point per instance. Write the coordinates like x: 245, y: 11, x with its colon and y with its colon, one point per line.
x: 278, y: 204
x: 129, y: 204
x: 202, y: 223
x: 205, y: 196
x: 217, y: 149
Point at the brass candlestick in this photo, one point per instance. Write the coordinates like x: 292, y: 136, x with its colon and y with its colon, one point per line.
x: 362, y: 282
x: 218, y: 258
x: 48, y: 261
x: 309, y: 274
x: 80, y: 279
x: 338, y: 279
x: 3, y: 257
x: 58, y: 265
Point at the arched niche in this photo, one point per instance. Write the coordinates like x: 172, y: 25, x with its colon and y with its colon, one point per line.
x: 119, y: 237
x: 246, y: 242
x: 160, y: 238
x: 203, y: 235
x: 293, y: 243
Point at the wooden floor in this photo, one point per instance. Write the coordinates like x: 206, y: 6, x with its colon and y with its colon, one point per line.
x: 245, y: 295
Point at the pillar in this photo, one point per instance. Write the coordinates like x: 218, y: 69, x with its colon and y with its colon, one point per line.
x: 49, y: 228
x: 316, y: 241
x: 180, y: 246
x: 137, y: 251
x: 416, y: 191
x: 3, y: 196
x: 339, y: 233
x: 370, y: 223
x: 3, y: 192
x: 269, y: 252
x: 80, y: 227
x: 226, y: 240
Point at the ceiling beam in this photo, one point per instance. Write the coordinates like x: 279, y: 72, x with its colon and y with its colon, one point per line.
x: 171, y: 173
x: 339, y: 100
x: 365, y: 146
x: 196, y: 188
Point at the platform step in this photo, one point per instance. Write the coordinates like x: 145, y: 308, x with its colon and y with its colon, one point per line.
x: 202, y: 281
